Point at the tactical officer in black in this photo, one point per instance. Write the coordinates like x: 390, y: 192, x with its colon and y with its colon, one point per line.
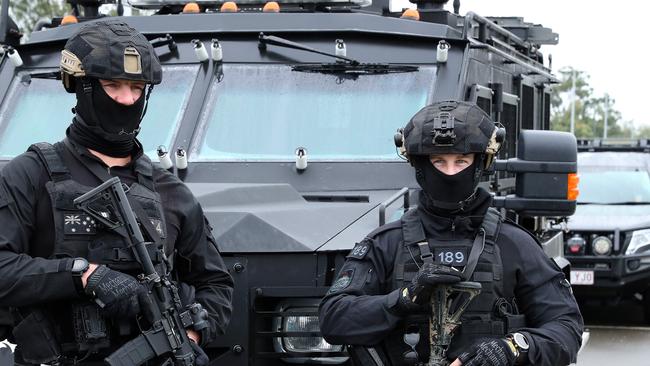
x: 525, y: 313
x: 59, y: 269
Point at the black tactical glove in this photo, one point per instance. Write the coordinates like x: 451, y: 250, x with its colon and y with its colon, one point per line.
x: 118, y: 294
x: 413, y: 296
x: 494, y: 352
x: 201, y: 359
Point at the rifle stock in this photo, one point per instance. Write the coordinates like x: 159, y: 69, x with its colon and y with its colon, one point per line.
x: 445, y: 320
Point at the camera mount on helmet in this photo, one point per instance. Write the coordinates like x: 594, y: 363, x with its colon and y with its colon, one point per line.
x: 443, y: 130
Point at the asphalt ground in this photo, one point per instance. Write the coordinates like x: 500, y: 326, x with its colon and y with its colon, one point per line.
x: 618, y: 335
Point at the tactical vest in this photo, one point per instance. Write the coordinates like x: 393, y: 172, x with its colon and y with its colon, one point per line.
x: 493, y: 313
x: 78, y: 235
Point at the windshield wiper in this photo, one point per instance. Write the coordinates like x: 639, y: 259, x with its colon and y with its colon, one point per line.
x: 281, y: 42
x: 360, y: 69
x: 350, y: 67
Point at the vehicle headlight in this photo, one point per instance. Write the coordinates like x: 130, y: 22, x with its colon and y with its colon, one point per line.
x: 576, y: 244
x: 640, y: 242
x: 304, y: 344
x: 601, y: 245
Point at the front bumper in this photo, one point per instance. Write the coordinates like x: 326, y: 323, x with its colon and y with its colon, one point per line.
x: 616, y: 275
x: 268, y: 290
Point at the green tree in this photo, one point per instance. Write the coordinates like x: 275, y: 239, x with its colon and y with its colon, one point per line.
x: 643, y: 132
x: 27, y: 13
x: 590, y: 111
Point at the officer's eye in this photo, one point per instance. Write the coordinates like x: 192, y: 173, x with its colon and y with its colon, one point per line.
x: 462, y: 162
x: 138, y: 87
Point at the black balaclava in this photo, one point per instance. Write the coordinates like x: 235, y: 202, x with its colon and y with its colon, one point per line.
x: 102, y: 124
x: 450, y: 193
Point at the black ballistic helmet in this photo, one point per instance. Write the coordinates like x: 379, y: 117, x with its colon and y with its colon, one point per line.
x: 109, y: 49
x: 451, y: 127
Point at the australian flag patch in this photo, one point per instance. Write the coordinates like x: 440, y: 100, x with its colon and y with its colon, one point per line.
x: 79, y: 223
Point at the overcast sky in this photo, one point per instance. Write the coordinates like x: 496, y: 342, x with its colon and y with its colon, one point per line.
x: 603, y: 38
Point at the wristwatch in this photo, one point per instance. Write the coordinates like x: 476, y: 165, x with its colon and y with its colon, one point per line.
x: 521, y: 345
x: 79, y: 267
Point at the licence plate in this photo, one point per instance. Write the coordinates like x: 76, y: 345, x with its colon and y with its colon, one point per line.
x: 582, y: 277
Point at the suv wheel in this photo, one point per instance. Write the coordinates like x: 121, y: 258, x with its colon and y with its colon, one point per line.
x: 646, y: 306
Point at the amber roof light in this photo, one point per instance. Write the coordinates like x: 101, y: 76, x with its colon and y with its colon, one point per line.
x: 191, y: 8
x: 69, y: 19
x: 411, y: 14
x: 271, y: 7
x: 229, y: 7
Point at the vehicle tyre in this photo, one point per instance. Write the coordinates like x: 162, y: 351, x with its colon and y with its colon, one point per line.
x: 646, y: 306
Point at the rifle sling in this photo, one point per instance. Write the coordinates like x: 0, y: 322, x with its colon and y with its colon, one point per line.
x: 477, y: 248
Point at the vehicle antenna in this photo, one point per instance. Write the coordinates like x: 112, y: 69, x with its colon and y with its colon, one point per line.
x: 4, y: 20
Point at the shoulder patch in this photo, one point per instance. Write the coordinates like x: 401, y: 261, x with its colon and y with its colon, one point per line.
x: 343, y: 281
x: 360, y: 250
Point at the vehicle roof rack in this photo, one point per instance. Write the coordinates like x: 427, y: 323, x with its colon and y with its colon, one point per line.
x: 614, y: 144
x: 528, y: 32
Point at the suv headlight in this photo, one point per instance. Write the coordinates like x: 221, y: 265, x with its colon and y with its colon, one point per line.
x: 304, y: 344
x: 601, y: 245
x: 640, y: 242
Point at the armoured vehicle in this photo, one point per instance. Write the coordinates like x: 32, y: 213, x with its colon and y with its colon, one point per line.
x: 282, y: 125
x: 608, y: 242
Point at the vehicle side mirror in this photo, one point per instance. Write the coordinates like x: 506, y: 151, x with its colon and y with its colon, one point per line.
x: 545, y: 175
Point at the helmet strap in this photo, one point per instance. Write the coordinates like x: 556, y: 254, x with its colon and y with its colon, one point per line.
x: 87, y: 87
x: 146, y: 101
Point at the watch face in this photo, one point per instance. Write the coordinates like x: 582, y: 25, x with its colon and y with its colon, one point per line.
x: 520, y: 340
x: 79, y: 265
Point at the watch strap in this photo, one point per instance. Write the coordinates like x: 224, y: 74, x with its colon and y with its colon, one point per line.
x: 77, y: 273
x: 512, y: 347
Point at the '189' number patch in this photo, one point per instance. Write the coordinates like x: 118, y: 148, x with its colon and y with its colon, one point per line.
x: 359, y: 251
x: 450, y: 256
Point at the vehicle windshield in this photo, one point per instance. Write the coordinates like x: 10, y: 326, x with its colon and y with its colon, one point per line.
x: 614, y: 187
x: 38, y: 109
x: 266, y: 112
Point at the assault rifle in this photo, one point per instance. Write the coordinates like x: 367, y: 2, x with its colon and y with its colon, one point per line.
x: 166, y: 336
x: 448, y: 302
